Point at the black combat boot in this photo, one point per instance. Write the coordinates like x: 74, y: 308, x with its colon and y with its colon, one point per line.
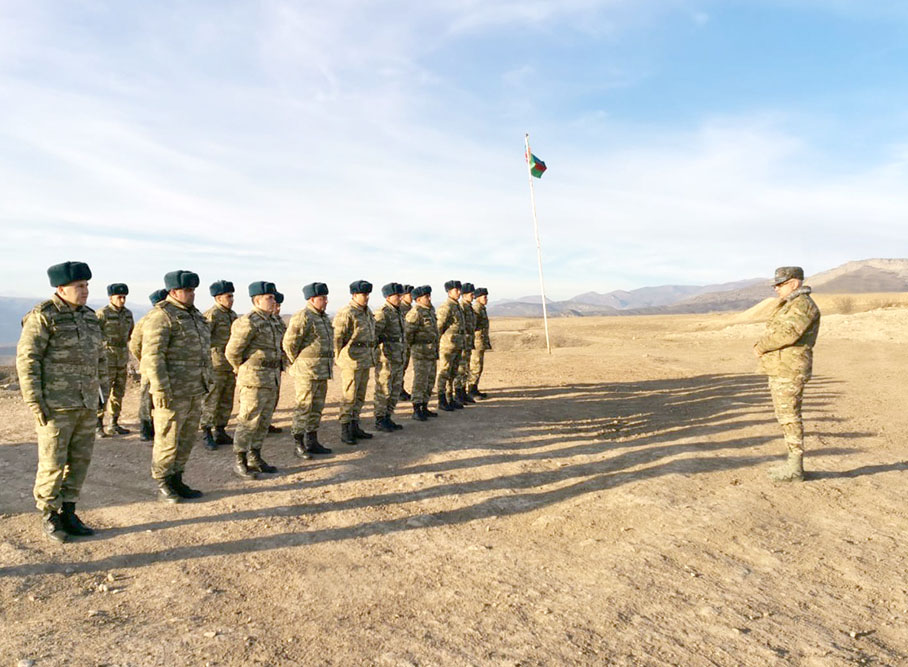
x: 418, y: 413
x: 475, y: 393
x: 427, y: 412
x: 166, y: 492
x: 301, y: 450
x: 119, y: 430
x: 221, y: 437
x: 210, y: 443
x: 443, y: 402
x: 454, y: 403
x: 71, y: 523
x: 358, y: 433
x: 463, y: 397
x: 393, y: 424
x: 347, y: 436
x: 314, y: 446
x: 383, y: 425
x: 241, y: 468
x: 99, y: 430
x: 274, y: 429
x: 404, y: 395
x: 181, y: 489
x: 52, y: 525
x: 257, y: 463
x: 146, y: 432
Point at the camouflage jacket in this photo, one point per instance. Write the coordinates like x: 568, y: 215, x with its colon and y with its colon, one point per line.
x: 116, y: 325
x: 175, y: 350
x: 282, y: 329
x: 220, y: 320
x: 404, y: 309
x: 254, y: 349
x: 61, y: 358
x: 309, y: 344
x: 469, y: 324
x: 481, y: 339
x: 421, y: 333
x: 450, y: 325
x: 389, y: 331
x: 135, y: 339
x: 786, y: 347
x: 354, y: 337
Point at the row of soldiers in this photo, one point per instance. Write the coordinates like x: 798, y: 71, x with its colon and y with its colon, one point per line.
x: 72, y: 369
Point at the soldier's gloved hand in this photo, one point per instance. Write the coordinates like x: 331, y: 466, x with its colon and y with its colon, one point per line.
x: 41, y: 412
x: 160, y: 401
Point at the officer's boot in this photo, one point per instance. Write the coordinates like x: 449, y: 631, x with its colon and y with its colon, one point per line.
x: 300, y: 450
x: 347, y: 436
x: 393, y: 424
x: 443, y: 402
x: 313, y: 446
x: 52, y: 525
x: 418, y: 413
x: 358, y: 433
x: 274, y: 429
x: 241, y: 468
x: 463, y: 397
x: 210, y: 443
x: 404, y: 395
x: 454, y: 403
x: 100, y: 431
x: 119, y: 430
x: 71, y: 523
x: 221, y: 437
x: 166, y: 492
x: 146, y: 432
x: 427, y: 412
x: 475, y: 393
x: 382, y: 425
x: 183, y: 490
x: 257, y: 463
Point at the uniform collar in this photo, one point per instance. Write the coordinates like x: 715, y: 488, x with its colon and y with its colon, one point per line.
x: 178, y: 304
x: 64, y: 305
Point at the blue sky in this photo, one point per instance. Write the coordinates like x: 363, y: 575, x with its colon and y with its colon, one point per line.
x: 687, y: 142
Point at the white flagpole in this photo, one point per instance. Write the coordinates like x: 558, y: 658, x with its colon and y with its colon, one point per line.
x: 545, y: 316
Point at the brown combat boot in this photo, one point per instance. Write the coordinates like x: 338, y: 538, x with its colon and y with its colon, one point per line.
x: 792, y: 470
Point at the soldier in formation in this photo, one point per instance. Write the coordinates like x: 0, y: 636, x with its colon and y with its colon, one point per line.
x: 450, y: 325
x: 469, y: 325
x: 176, y: 359
x: 285, y: 363
x: 146, y: 428
x: 389, y: 365
x: 406, y: 303
x: 117, y: 325
x: 254, y: 351
x: 421, y: 333
x: 219, y: 399
x: 62, y: 366
x: 481, y: 341
x: 354, y: 351
x: 785, y: 353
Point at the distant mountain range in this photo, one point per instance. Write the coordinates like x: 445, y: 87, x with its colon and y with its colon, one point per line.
x: 869, y: 275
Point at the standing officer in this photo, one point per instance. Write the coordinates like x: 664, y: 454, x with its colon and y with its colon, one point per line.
x: 146, y: 431
x: 450, y: 343
x: 62, y: 367
x: 469, y: 325
x: 422, y: 339
x: 406, y: 303
x: 481, y: 340
x: 285, y: 363
x: 389, y: 366
x: 309, y: 346
x: 254, y: 351
x: 354, y: 350
x: 785, y: 352
x: 219, y: 400
x: 117, y: 324
x: 176, y: 359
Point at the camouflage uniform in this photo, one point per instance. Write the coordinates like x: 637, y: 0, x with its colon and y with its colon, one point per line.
x: 469, y: 325
x: 389, y: 367
x: 450, y: 343
x: 135, y: 348
x: 481, y: 343
x: 786, y: 356
x: 219, y: 400
x: 404, y: 309
x: 177, y: 362
x: 422, y: 339
x: 254, y: 351
x: 62, y: 367
x: 117, y: 325
x: 285, y: 363
x: 354, y: 350
x: 309, y: 346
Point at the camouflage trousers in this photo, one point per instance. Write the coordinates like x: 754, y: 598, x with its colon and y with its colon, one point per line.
x: 463, y: 370
x: 354, y: 384
x: 175, y: 430
x: 449, y: 364
x: 219, y: 400
x: 117, y: 376
x: 65, y: 444
x: 145, y: 405
x: 405, y: 366
x: 310, y: 403
x: 254, y: 417
x: 423, y: 379
x: 787, y: 395
x: 389, y: 380
x: 477, y: 362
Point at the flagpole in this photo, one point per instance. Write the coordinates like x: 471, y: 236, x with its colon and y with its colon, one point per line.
x: 545, y: 316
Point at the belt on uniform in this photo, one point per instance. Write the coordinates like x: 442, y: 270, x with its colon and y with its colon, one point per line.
x: 361, y: 345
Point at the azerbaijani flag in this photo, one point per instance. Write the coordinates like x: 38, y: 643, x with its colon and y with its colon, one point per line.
x: 537, y: 166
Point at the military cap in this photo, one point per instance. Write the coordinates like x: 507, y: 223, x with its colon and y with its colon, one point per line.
x: 785, y: 273
x: 260, y: 287
x: 360, y: 287
x: 407, y: 289
x: 157, y: 296
x: 221, y: 287
x: 68, y: 272
x: 390, y: 289
x: 117, y: 288
x: 481, y: 291
x: 422, y: 290
x: 468, y: 288
x: 279, y: 297
x: 313, y: 290
x: 181, y: 280
x: 452, y: 284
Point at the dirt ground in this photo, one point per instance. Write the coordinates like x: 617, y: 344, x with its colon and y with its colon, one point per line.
x: 608, y: 504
